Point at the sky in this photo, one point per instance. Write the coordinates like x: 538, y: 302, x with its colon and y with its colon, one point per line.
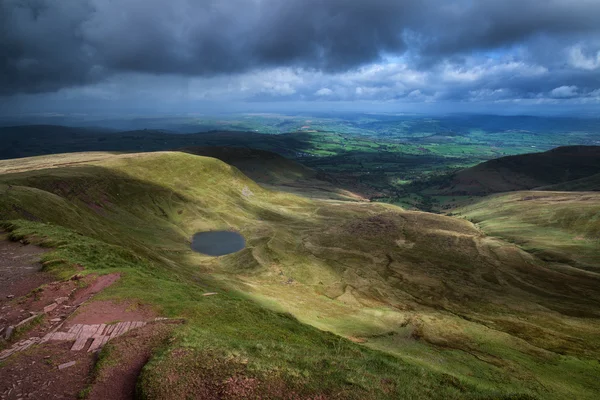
x: 500, y: 56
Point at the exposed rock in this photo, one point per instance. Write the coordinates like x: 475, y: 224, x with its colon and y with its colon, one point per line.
x: 26, y: 320
x: 61, y: 300
x: 99, y: 333
x: 55, y: 320
x: 10, y: 296
x: 20, y: 346
x: 66, y: 365
x: 50, y: 307
x: 9, y: 332
x: 209, y: 294
x: 246, y: 192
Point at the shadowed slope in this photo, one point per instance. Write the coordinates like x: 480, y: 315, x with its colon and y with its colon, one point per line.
x: 587, y: 184
x: 259, y: 165
x: 275, y: 171
x: 525, y: 171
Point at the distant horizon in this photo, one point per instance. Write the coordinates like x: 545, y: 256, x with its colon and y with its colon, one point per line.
x: 510, y: 57
x: 292, y: 109
x: 334, y: 113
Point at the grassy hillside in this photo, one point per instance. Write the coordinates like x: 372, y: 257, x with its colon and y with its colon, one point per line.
x: 272, y: 170
x: 259, y: 165
x: 560, y: 227
x: 589, y: 183
x: 527, y: 171
x: 374, y: 165
x: 331, y: 298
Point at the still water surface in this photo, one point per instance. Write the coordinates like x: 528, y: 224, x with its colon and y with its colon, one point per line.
x: 218, y: 243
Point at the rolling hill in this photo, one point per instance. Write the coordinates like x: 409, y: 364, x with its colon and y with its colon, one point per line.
x: 589, y: 183
x: 526, y: 171
x: 559, y: 227
x: 35, y: 140
x: 330, y: 299
x: 274, y: 171
x: 259, y: 165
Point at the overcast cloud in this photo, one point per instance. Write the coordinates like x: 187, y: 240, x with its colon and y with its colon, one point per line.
x: 300, y: 50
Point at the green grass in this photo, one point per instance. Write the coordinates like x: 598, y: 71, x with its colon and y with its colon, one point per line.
x: 559, y: 226
x: 22, y: 330
x: 236, y: 331
x: 372, y: 153
x: 421, y: 291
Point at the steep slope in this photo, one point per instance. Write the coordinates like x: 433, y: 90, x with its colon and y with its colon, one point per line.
x: 441, y: 310
x: 522, y: 172
x: 275, y: 171
x: 259, y: 165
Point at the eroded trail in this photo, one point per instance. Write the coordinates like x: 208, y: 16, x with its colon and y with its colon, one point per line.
x: 20, y: 270
x: 52, y: 331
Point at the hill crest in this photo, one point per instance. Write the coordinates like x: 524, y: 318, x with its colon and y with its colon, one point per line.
x: 524, y: 172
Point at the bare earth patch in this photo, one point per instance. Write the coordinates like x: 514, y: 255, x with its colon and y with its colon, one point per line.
x: 52, y: 303
x: 126, y: 357
x: 95, y: 285
x: 35, y: 373
x: 40, y: 307
x: 106, y: 311
x: 20, y: 268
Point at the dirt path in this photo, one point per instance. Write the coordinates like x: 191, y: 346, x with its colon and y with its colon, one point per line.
x: 104, y: 311
x: 35, y: 374
x: 128, y: 356
x: 20, y: 269
x: 47, y: 347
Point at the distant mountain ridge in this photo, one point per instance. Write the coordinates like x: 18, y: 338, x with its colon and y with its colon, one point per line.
x: 36, y: 140
x: 558, y: 166
x: 589, y: 183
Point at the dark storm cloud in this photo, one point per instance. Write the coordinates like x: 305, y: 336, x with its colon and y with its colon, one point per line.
x: 465, y: 26
x: 48, y: 44
x: 41, y: 45
x: 211, y: 37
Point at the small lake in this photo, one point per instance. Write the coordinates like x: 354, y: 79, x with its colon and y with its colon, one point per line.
x: 218, y: 243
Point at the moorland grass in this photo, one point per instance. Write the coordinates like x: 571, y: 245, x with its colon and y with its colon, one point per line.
x: 559, y: 226
x: 434, y: 301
